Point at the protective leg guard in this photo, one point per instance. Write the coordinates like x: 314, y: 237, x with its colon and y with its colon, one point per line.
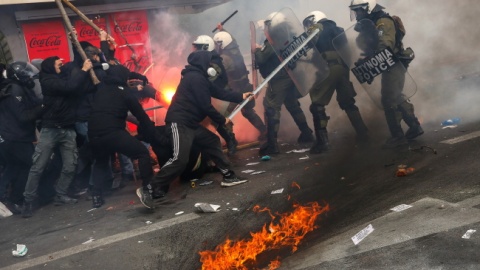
x: 357, y: 122
x: 321, y: 144
x: 254, y: 119
x: 270, y: 147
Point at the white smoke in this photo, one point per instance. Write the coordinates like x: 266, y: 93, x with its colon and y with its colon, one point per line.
x: 442, y: 33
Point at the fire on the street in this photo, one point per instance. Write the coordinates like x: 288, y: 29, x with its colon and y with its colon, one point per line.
x: 287, y: 232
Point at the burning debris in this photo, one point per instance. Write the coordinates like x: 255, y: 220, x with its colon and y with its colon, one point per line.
x: 287, y: 232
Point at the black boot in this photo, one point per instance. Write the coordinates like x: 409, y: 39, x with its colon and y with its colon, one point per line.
x: 408, y: 115
x: 393, y: 118
x: 321, y: 144
x: 357, y: 122
x: 306, y: 135
x: 270, y: 147
x: 27, y: 210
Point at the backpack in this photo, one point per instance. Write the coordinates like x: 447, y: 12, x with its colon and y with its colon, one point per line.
x: 399, y: 29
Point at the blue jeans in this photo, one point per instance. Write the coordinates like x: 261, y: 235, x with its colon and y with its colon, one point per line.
x: 48, y: 140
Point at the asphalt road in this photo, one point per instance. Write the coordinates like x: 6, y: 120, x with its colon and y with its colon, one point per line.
x: 357, y: 182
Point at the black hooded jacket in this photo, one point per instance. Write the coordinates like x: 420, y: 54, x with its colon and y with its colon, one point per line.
x: 192, y: 100
x: 19, y: 108
x: 112, y: 103
x: 60, y: 93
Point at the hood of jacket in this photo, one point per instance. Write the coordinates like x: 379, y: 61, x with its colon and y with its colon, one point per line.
x: 198, y: 61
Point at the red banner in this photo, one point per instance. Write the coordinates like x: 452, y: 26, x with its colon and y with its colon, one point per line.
x: 45, y: 39
x: 87, y: 33
x: 130, y: 30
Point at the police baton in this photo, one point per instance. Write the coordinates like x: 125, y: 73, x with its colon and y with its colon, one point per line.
x: 226, y: 20
x: 274, y: 72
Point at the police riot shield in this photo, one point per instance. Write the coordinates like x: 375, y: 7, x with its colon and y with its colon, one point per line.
x: 285, y: 33
x: 380, y: 73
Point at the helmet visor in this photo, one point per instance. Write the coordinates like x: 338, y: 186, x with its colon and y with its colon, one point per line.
x: 309, y: 21
x: 358, y: 12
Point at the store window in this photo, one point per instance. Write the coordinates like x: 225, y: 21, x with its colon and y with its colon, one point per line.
x: 5, y: 54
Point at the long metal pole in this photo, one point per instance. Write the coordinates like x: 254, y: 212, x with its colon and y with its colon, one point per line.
x: 274, y: 72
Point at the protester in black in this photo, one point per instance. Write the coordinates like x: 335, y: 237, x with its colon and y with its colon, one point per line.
x: 107, y: 134
x: 19, y: 108
x: 190, y: 105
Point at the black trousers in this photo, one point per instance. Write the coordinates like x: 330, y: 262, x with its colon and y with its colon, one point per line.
x: 182, y: 138
x: 122, y: 142
x: 17, y: 160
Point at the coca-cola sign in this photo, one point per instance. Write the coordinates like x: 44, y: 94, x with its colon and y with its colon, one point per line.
x: 45, y: 39
x: 130, y: 27
x: 45, y: 42
x: 86, y: 33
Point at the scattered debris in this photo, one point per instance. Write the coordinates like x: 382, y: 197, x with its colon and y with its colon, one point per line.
x: 21, y: 251
x: 148, y: 222
x: 140, y: 242
x: 207, y: 208
x: 248, y: 171
x: 423, y: 147
x: 401, y: 207
x: 109, y: 208
x: 357, y: 238
x: 252, y: 163
x: 235, y: 209
x: 199, y: 182
x: 278, y: 191
x: 468, y: 234
x: 93, y: 209
x: 342, y: 178
x: 305, y: 157
x: 179, y: 213
x: 258, y: 172
x: 451, y: 123
x: 265, y: 158
x: 404, y: 171
x: 298, y: 150
x: 88, y: 241
x: 4, y: 212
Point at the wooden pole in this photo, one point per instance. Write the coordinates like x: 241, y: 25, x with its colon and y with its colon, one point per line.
x: 74, y: 39
x: 82, y: 16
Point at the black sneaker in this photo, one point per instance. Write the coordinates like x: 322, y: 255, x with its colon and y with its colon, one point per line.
x: 63, y: 199
x: 145, y: 196
x: 27, y: 210
x: 414, y: 132
x: 395, y: 142
x: 232, y: 180
x: 97, y: 201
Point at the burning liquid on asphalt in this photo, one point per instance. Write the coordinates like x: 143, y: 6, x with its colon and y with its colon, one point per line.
x: 287, y: 232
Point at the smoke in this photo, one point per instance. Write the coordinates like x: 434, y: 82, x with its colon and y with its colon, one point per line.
x: 442, y: 33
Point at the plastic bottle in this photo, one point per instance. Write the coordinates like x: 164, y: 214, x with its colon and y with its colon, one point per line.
x: 451, y: 122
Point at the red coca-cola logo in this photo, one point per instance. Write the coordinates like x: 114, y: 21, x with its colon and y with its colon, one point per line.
x: 132, y: 27
x: 88, y: 32
x: 45, y: 42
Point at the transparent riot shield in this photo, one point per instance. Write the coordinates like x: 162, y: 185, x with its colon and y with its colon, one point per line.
x: 380, y: 73
x: 285, y: 33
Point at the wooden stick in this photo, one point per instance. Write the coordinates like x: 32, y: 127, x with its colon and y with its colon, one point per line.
x: 82, y: 16
x: 74, y: 39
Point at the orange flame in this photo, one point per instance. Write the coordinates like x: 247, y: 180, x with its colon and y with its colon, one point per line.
x: 288, y: 232
x: 166, y: 95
